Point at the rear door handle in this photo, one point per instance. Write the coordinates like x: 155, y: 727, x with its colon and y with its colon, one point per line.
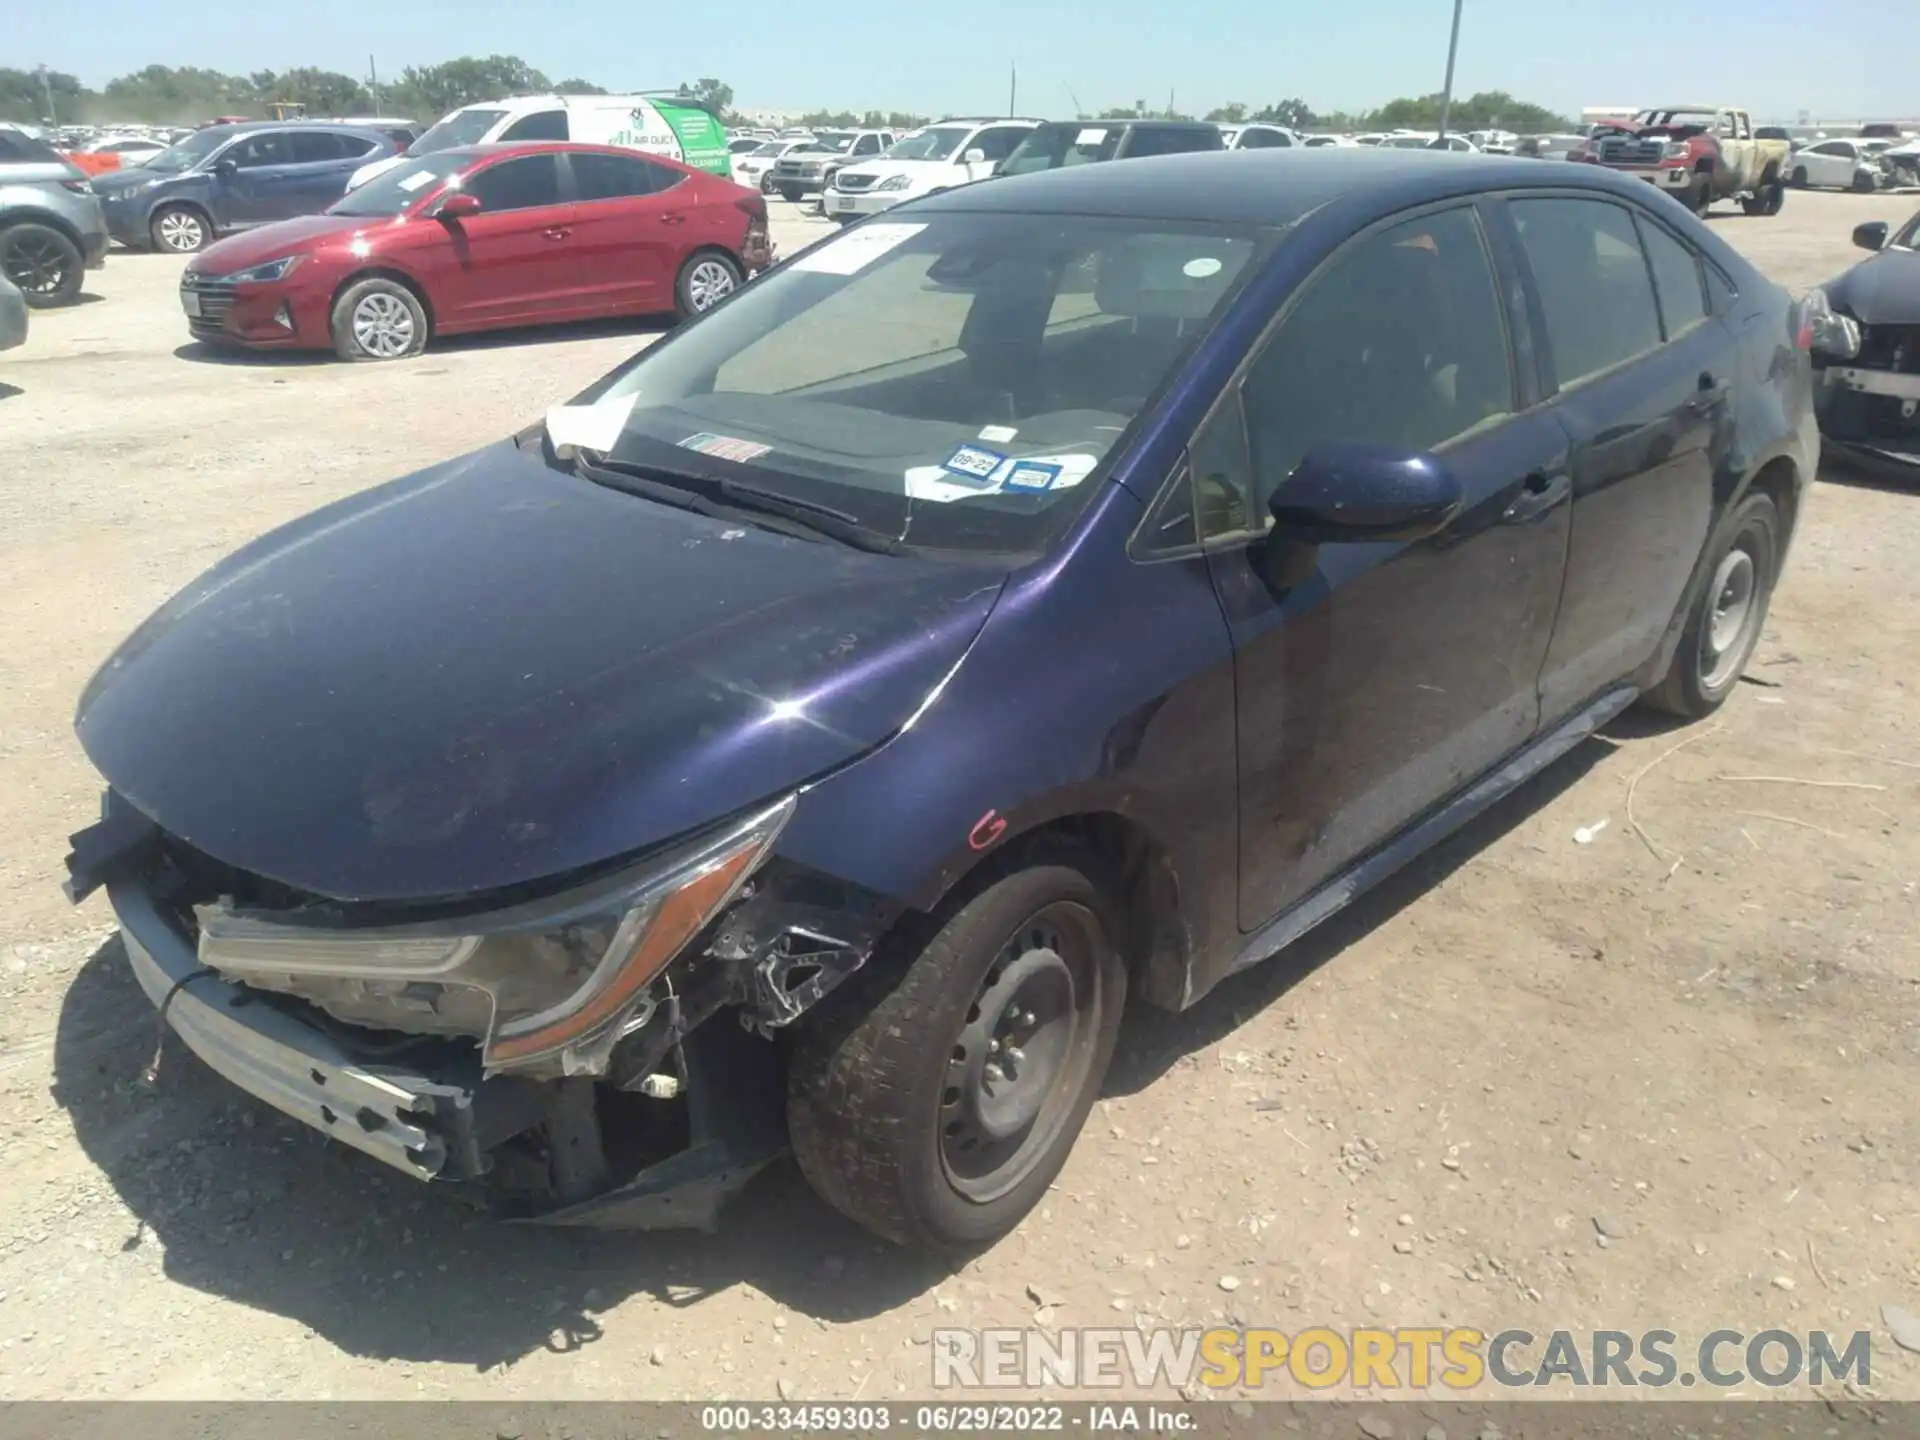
x: 1539, y: 495
x: 673, y: 219
x: 558, y: 232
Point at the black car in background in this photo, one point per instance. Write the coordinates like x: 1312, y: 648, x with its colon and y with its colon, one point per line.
x: 1061, y: 143
x: 1868, y: 356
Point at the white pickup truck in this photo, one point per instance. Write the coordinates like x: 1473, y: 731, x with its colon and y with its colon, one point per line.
x: 1699, y: 154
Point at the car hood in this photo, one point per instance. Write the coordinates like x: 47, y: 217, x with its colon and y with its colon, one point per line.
x: 283, y: 237
x: 118, y: 182
x: 492, y: 673
x: 1881, y: 290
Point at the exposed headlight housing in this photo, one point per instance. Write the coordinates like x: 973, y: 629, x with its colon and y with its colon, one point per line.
x: 895, y: 182
x: 548, y: 987
x: 1675, y: 150
x: 262, y: 274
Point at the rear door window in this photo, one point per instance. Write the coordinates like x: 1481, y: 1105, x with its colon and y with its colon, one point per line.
x: 21, y: 148
x: 1596, y: 294
x: 313, y: 147
x: 523, y: 184
x: 541, y: 125
x: 1676, y: 278
x: 256, y: 152
x: 620, y: 177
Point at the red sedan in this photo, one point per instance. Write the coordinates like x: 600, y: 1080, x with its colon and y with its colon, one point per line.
x: 481, y: 237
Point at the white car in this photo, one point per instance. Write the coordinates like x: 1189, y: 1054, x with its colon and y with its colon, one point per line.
x: 1257, y: 135
x: 1456, y: 144
x: 1411, y: 140
x: 1839, y: 164
x: 937, y: 157
x: 752, y: 168
x: 133, y: 150
x: 1323, y: 142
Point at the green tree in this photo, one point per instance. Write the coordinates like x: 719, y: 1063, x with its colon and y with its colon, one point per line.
x: 580, y: 87
x: 428, y: 92
x: 1233, y: 114
x: 711, y: 95
x: 23, y: 97
x: 1293, y: 114
x: 323, y: 92
x: 184, y: 96
x: 1491, y: 109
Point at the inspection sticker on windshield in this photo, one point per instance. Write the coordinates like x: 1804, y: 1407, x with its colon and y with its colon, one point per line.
x: 1030, y: 475
x: 851, y: 253
x: 976, y: 462
x: 725, y: 447
x: 1089, y: 137
x: 415, y: 182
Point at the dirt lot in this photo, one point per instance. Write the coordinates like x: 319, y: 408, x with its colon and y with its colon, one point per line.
x: 1700, y: 1033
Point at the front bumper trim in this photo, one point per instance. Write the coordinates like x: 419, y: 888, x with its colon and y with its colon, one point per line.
x: 410, y: 1122
x: 1875, y: 382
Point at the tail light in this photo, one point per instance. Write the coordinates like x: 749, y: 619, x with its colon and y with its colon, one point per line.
x: 757, y: 248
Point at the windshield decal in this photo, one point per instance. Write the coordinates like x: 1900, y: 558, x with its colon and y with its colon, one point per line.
x: 1090, y: 137
x: 1030, y: 475
x: 724, y: 447
x: 943, y: 486
x: 852, y: 252
x: 998, y: 434
x: 414, y: 182
x: 589, y: 427
x: 975, y: 462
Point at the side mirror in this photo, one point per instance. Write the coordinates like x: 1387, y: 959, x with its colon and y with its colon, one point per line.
x: 457, y: 206
x: 1871, y: 236
x: 975, y: 156
x: 226, y: 168
x: 1354, y: 492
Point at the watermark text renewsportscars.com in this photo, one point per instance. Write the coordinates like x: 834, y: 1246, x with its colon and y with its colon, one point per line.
x: 1412, y: 1358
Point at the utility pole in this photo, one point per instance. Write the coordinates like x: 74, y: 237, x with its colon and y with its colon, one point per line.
x: 1453, y: 51
x: 46, y: 91
x: 1013, y: 88
x: 373, y: 84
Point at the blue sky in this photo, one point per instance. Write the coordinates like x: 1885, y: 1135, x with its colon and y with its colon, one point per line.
x: 1834, y: 58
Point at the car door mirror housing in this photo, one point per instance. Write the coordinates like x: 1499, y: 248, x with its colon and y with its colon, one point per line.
x: 1354, y: 492
x: 458, y: 205
x: 226, y: 168
x: 975, y: 156
x: 1871, y: 236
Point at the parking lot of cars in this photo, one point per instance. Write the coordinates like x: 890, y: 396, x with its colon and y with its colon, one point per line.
x: 1407, y: 1118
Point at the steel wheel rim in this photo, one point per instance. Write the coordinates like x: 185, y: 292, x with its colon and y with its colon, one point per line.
x: 383, y: 325
x: 708, y: 283
x: 1733, y: 620
x: 181, y: 231
x: 1023, y: 1053
x: 36, y: 264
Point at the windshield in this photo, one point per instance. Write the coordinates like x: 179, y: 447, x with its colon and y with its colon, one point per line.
x: 953, y: 382
x: 935, y: 144
x: 392, y: 191
x: 839, y: 144
x: 772, y: 147
x: 188, y: 153
x: 1909, y: 236
x: 463, y: 127
x: 1051, y: 147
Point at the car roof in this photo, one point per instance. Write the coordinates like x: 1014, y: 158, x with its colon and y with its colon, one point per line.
x: 1267, y: 187
x: 249, y: 127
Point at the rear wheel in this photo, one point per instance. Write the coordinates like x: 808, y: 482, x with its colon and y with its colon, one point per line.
x: 935, y: 1105
x: 43, y: 264
x: 1799, y: 177
x: 180, y: 229
x: 1700, y: 198
x: 704, y: 281
x: 1864, y: 183
x: 378, y: 319
x: 1726, y: 620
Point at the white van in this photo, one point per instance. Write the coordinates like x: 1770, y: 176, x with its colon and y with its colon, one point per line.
x: 638, y: 122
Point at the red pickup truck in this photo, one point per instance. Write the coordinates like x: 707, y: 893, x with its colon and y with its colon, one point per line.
x: 1698, y: 154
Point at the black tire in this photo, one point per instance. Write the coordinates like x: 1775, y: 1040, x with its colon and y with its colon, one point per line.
x: 708, y: 277
x: 1774, y: 196
x: 1700, y: 197
x: 43, y: 263
x: 790, y: 194
x: 888, y: 1091
x: 1799, y: 177
x: 1704, y: 673
x: 378, y: 319
x: 180, y: 229
x: 1864, y: 183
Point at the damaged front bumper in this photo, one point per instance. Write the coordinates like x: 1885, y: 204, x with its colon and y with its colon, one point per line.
x: 1869, y: 412
x: 683, y: 1111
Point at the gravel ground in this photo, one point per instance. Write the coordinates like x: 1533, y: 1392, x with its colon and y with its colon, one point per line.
x: 1532, y: 1082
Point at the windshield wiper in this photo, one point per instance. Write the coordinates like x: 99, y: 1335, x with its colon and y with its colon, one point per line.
x: 697, y: 493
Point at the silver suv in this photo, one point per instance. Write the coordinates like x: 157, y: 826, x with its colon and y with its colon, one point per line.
x: 51, y: 228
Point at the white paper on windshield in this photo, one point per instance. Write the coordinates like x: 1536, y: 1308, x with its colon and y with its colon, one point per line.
x: 851, y: 253
x: 589, y: 427
x: 416, y: 181
x: 935, y: 482
x: 1090, y: 137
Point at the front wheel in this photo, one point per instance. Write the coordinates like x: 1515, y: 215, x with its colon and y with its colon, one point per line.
x: 378, y: 319
x: 1700, y: 198
x: 1724, y: 625
x: 935, y: 1105
x: 790, y: 194
x: 704, y: 281
x: 180, y: 230
x: 1864, y: 183
x: 43, y: 264
x: 1799, y: 177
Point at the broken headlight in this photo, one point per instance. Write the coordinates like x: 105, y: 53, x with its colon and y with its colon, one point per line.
x: 548, y: 986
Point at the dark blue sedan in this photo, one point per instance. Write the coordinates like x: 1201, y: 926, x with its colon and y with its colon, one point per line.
x: 233, y: 177
x: 1064, y: 589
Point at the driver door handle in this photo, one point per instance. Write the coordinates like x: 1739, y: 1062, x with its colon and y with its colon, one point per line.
x: 558, y: 232
x: 673, y: 219
x: 1539, y: 495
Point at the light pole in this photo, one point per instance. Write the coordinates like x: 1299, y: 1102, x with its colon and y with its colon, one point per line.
x: 46, y: 90
x: 1453, y: 50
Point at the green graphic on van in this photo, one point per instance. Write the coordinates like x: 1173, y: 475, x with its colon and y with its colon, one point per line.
x: 703, y: 144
